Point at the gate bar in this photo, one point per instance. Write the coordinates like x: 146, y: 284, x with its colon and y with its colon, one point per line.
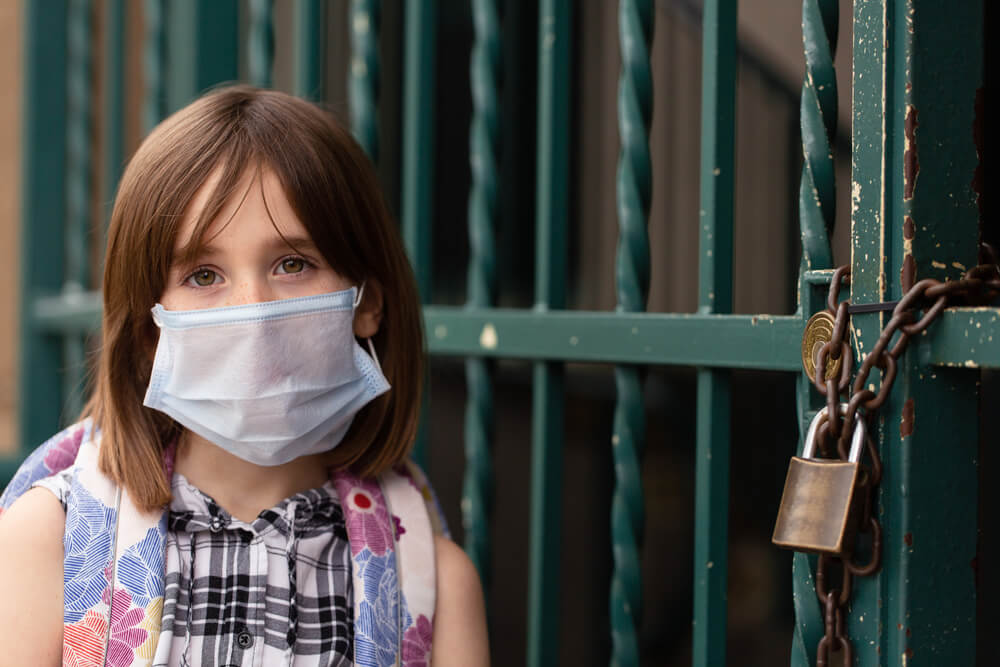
x: 633, y: 190
x: 154, y: 54
x: 114, y: 100
x: 477, y: 487
x: 715, y: 287
x: 43, y: 209
x: 548, y: 396
x: 363, y: 74
x: 418, y: 165
x: 79, y: 177
x: 260, y: 56
x: 308, y: 31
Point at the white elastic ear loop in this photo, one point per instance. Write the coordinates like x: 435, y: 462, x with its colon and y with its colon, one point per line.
x: 361, y: 294
x: 371, y: 348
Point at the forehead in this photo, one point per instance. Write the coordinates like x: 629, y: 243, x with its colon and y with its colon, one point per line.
x: 252, y: 204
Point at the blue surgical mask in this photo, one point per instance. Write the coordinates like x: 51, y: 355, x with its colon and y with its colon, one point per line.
x: 268, y: 382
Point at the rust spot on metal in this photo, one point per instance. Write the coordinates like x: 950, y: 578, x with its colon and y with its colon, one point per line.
x: 909, y: 229
x: 911, y: 162
x: 908, y: 538
x: 908, y: 274
x: 908, y: 652
x: 909, y: 633
x: 906, y: 423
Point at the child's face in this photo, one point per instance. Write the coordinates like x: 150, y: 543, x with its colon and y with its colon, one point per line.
x: 247, y: 260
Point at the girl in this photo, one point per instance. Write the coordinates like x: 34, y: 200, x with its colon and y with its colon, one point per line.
x: 238, y: 492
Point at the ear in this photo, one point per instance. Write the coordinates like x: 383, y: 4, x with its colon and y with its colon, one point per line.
x: 368, y: 315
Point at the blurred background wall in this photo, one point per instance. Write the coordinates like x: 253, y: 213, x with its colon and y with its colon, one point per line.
x: 10, y: 156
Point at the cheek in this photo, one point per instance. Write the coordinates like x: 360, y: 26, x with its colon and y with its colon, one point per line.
x: 330, y: 281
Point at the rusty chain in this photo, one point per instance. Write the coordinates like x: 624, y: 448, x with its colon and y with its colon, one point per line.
x: 979, y: 285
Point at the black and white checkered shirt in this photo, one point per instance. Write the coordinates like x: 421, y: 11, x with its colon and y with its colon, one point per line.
x: 276, y: 591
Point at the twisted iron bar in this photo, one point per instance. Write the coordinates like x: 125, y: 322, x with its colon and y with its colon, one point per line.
x: 363, y: 85
x: 633, y: 186
x: 818, y: 119
x: 483, y: 142
x: 261, y: 51
x: 154, y: 57
x: 817, y: 210
x: 79, y: 178
x: 78, y: 142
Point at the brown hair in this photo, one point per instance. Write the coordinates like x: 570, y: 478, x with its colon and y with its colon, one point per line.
x: 332, y: 187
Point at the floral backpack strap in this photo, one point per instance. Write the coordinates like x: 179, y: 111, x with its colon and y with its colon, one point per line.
x: 106, y: 539
x: 54, y: 455
x: 391, y: 533
x: 113, y: 571
x: 379, y: 610
x: 417, y: 519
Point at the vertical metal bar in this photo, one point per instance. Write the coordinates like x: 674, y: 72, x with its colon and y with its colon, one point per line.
x: 633, y: 186
x: 154, y: 61
x: 202, y: 48
x: 114, y: 96
x: 817, y: 210
x: 363, y: 85
x: 551, y: 204
x: 43, y: 211
x: 718, y: 138
x: 308, y: 45
x: 917, y: 76
x: 418, y: 139
x: 418, y: 159
x: 477, y: 489
x: 818, y: 118
x: 261, y: 51
x: 78, y: 186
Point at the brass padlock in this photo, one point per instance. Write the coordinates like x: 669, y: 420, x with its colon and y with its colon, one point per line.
x: 817, y: 512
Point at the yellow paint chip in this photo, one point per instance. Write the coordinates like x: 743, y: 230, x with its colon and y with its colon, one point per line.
x: 488, y: 338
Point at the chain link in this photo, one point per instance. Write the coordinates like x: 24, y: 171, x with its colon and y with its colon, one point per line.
x: 979, y: 285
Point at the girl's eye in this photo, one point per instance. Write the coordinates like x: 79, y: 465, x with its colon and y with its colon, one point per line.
x: 293, y: 265
x: 203, y: 277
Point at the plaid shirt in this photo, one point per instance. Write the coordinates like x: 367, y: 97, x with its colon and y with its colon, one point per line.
x: 276, y: 591
x: 245, y: 578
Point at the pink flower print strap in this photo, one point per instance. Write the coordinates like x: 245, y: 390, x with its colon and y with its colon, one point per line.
x: 415, y: 554
x: 392, y: 545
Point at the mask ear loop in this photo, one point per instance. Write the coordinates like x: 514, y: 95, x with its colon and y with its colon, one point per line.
x: 371, y: 347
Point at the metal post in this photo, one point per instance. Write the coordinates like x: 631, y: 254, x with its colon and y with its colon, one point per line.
x: 633, y: 185
x: 477, y: 489
x: 551, y: 212
x: 718, y: 138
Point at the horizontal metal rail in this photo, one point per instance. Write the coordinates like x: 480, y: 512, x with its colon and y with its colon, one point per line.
x: 967, y: 337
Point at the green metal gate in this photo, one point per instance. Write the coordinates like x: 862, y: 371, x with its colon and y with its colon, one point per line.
x: 917, y: 68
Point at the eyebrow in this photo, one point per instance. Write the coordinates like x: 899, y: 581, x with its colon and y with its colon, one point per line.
x: 296, y: 243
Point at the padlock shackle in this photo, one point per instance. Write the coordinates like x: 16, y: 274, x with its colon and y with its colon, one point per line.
x: 857, y: 438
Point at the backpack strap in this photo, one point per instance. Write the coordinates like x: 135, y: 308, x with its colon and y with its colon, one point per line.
x: 392, y: 549
x: 113, y: 567
x: 53, y: 456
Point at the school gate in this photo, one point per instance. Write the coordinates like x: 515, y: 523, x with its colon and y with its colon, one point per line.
x: 96, y: 71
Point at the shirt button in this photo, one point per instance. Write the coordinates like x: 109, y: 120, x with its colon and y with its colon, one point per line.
x: 244, y: 640
x: 217, y: 524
